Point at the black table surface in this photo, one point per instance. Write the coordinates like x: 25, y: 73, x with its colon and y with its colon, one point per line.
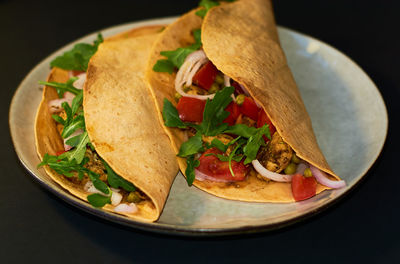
x: 36, y: 226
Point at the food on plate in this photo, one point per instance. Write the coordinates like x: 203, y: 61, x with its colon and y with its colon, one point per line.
x: 103, y: 143
x: 231, y: 107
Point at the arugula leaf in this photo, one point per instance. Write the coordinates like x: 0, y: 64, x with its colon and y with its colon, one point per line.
x: 76, y: 123
x: 78, y: 153
x: 175, y: 58
x: 78, y: 58
x: 58, y: 119
x: 191, y: 165
x: 61, y: 88
x: 98, y: 200
x: 117, y: 181
x: 164, y: 66
x: 241, y: 130
x: 214, y: 113
x: 219, y: 145
x: 101, y: 186
x: 192, y: 146
x: 65, y: 167
x: 207, y: 4
x: 171, y: 116
x: 254, y: 143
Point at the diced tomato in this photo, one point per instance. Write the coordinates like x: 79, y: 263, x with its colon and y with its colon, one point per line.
x: 58, y: 153
x: 249, y: 108
x: 262, y: 120
x: 205, y: 77
x: 233, y: 109
x: 76, y: 73
x: 191, y: 109
x: 213, y: 167
x: 303, y: 187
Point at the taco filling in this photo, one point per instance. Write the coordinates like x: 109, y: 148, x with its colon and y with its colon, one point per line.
x: 229, y: 135
x: 78, y: 161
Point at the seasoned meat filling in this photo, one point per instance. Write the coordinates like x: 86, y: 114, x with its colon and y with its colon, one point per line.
x: 276, y: 155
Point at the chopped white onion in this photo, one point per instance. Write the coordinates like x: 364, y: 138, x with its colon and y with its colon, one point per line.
x: 323, y: 179
x: 55, y: 105
x: 227, y: 80
x: 89, y: 187
x: 269, y: 174
x: 202, y: 176
x: 76, y: 133
x: 126, y: 208
x: 78, y: 84
x: 116, y: 198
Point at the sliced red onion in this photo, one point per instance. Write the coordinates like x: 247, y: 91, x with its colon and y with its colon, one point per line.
x: 184, y: 76
x: 116, y: 198
x: 76, y: 133
x: 126, y: 208
x: 301, y: 168
x: 269, y: 174
x: 323, y: 179
x: 202, y: 176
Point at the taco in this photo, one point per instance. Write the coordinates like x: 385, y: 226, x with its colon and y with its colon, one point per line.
x: 92, y: 141
x: 231, y: 107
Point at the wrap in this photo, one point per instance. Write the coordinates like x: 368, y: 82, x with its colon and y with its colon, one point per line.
x: 120, y: 120
x: 241, y: 40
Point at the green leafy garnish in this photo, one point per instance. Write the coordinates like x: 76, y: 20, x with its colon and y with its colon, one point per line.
x: 98, y: 200
x: 254, y: 143
x: 78, y: 58
x: 207, y: 4
x: 192, y: 146
x: 241, y: 130
x: 78, y: 153
x: 117, y: 181
x: 171, y: 116
x: 214, y: 113
x: 219, y: 145
x: 61, y: 88
x: 175, y: 58
x: 189, y: 172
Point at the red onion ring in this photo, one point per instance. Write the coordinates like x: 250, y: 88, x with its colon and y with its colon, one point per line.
x: 202, y: 176
x: 185, y: 74
x: 323, y: 179
x: 269, y: 174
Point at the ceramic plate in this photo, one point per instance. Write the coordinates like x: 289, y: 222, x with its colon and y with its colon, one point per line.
x: 337, y: 94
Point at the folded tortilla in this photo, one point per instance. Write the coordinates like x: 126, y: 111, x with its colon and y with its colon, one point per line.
x: 241, y: 40
x: 121, y: 121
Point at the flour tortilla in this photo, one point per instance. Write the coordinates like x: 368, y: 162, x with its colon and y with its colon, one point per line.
x: 241, y: 40
x: 120, y: 119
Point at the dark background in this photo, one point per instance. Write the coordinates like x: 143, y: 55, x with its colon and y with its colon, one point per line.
x: 36, y: 226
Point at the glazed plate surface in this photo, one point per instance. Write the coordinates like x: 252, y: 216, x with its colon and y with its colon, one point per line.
x: 339, y: 97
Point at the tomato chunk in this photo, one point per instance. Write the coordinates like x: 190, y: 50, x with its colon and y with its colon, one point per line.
x: 249, y: 108
x: 233, y: 109
x: 205, y: 77
x: 191, y: 109
x: 213, y: 167
x: 303, y: 187
x: 76, y: 73
x: 58, y: 153
x: 262, y: 120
